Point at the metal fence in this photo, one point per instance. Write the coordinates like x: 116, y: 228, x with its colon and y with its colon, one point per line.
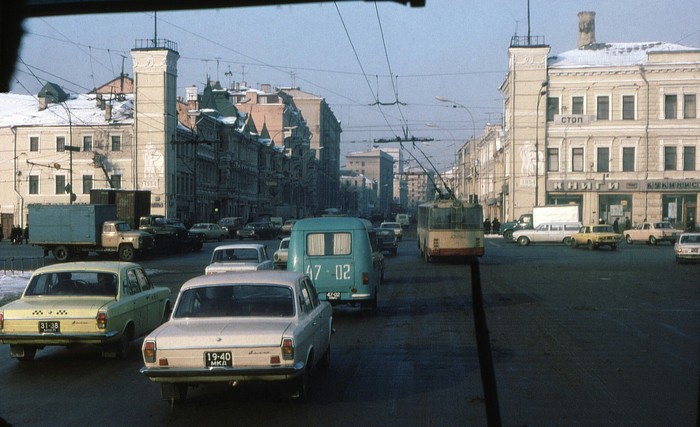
x: 11, y: 266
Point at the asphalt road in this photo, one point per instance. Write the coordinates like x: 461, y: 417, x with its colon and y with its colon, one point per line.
x: 578, y: 337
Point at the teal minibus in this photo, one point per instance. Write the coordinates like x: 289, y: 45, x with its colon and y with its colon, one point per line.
x: 341, y: 256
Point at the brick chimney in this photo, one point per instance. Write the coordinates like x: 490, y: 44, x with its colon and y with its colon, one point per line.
x: 586, y: 28
x: 108, y: 111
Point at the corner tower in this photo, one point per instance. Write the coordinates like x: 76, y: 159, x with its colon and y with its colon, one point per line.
x: 155, y: 121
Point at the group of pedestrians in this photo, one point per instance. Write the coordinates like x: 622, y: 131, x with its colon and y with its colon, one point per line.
x: 491, y: 226
x: 18, y: 235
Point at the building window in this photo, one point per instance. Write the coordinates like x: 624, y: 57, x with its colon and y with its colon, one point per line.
x: 116, y: 143
x: 628, y: 107
x: 87, y: 184
x: 87, y: 143
x: 577, y: 159
x: 577, y: 105
x: 628, y: 159
x: 670, y: 106
x: 33, y: 184
x: 603, y: 105
x: 689, y: 158
x: 689, y: 108
x: 603, y: 164
x: 33, y: 143
x: 552, y: 108
x: 116, y: 181
x: 553, y: 160
x: 60, y: 184
x: 60, y: 144
x: 669, y: 158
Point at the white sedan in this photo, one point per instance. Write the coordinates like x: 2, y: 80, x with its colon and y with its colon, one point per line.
x: 210, y: 231
x: 239, y: 257
x: 252, y: 326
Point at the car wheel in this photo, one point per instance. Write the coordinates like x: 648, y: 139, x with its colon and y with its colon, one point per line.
x: 325, y: 362
x: 652, y: 240
x: 508, y: 236
x: 628, y: 239
x: 567, y: 241
x: 61, y: 253
x: 613, y: 247
x: 126, y: 253
x: 28, y: 352
x: 523, y: 241
x: 174, y: 392
x: 121, y: 347
x: 574, y: 243
x: 590, y: 245
x: 300, y: 386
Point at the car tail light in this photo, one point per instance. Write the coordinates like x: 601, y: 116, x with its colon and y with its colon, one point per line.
x: 274, y: 360
x: 287, y: 349
x: 149, y: 351
x: 365, y: 278
x: 102, y: 320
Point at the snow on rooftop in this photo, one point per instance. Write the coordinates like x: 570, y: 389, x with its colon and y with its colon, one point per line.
x: 23, y: 110
x: 613, y: 54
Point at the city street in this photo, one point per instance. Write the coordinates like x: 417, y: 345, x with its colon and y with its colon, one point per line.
x: 578, y: 337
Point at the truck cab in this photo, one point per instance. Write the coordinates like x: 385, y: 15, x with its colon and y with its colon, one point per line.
x: 127, y: 242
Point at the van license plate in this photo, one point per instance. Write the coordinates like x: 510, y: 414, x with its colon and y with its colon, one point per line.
x: 332, y: 295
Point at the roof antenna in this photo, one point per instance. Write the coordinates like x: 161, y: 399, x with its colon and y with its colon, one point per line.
x: 528, y: 23
x: 155, y: 28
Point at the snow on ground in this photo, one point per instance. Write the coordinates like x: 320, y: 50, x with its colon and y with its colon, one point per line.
x: 12, y: 285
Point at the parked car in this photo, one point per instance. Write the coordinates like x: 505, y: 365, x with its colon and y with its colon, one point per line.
x: 652, y: 233
x: 687, y: 248
x: 265, y: 326
x: 232, y: 224
x: 386, y: 238
x: 287, y: 227
x: 396, y: 226
x: 260, y: 230
x: 555, y: 232
x: 595, y: 236
x: 210, y: 231
x: 281, y: 254
x: 105, y: 303
x: 239, y: 257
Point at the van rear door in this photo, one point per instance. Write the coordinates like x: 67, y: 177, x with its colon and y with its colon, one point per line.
x: 328, y: 261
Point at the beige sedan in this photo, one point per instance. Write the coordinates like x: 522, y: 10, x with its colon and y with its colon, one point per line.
x: 227, y: 327
x: 103, y: 303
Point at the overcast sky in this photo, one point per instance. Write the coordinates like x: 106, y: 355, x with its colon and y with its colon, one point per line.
x: 348, y: 52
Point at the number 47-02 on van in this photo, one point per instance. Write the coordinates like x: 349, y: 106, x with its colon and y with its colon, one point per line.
x: 341, y: 256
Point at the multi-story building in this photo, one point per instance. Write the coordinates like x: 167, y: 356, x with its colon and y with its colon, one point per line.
x: 201, y: 158
x: 612, y: 127
x: 421, y: 187
x: 378, y: 166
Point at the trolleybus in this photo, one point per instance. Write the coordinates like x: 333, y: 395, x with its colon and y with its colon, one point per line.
x: 450, y: 228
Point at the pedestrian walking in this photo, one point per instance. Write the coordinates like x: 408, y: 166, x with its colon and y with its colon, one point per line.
x: 496, y: 226
x: 616, y: 226
x: 487, y: 226
x: 628, y: 223
x: 25, y: 235
x: 690, y: 225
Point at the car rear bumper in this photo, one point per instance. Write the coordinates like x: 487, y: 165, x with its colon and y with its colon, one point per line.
x: 59, y: 339
x: 219, y: 374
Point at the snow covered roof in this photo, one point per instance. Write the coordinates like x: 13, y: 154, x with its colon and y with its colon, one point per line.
x: 23, y: 110
x: 613, y: 54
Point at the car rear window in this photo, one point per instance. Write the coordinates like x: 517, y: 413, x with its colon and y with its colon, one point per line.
x: 236, y: 300
x: 84, y: 283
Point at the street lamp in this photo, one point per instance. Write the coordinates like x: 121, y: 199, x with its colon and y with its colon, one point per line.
x: 543, y: 91
x: 473, y: 138
x: 70, y: 148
